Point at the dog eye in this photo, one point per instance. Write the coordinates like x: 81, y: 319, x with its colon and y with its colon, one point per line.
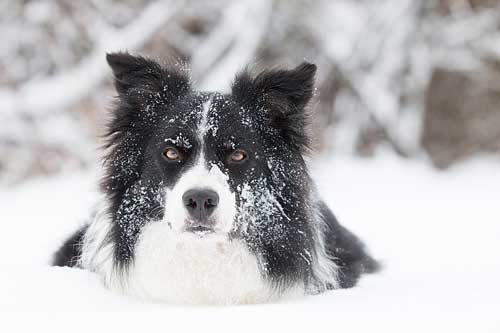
x: 172, y: 154
x: 238, y: 156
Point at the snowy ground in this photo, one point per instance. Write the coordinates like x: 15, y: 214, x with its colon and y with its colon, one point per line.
x: 438, y: 235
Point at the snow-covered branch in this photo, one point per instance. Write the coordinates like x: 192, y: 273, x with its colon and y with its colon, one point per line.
x: 62, y: 90
x: 232, y: 44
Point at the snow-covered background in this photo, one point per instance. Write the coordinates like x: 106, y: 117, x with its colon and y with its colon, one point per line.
x: 407, y: 118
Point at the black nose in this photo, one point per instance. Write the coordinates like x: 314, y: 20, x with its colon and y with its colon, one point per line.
x: 200, y: 203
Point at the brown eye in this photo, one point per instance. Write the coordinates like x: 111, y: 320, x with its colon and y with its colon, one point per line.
x: 238, y: 156
x: 171, y: 154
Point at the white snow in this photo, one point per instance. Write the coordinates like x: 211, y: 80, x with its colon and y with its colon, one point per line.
x: 437, y: 234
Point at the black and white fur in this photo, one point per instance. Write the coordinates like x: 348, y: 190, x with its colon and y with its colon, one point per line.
x: 270, y: 235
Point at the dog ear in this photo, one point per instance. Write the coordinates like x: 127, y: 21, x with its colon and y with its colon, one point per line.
x: 142, y: 85
x: 284, y: 94
x: 139, y: 78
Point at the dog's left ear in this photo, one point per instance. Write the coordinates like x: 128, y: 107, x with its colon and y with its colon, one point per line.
x: 284, y: 94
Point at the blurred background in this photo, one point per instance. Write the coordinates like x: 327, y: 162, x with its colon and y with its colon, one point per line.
x: 419, y: 77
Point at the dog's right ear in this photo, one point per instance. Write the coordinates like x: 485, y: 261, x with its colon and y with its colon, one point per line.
x: 143, y: 87
x: 139, y: 77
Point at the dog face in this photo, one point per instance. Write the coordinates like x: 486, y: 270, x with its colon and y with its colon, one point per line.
x: 211, y: 165
x: 193, y: 170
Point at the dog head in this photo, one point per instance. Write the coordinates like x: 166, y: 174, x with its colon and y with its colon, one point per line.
x: 207, y: 164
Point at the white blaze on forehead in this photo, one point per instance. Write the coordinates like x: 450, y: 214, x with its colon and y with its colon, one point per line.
x: 204, y: 126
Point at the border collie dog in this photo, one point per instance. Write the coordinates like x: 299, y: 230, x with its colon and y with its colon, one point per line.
x: 206, y: 196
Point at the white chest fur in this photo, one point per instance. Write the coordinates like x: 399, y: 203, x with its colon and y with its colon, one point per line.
x: 187, y: 269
